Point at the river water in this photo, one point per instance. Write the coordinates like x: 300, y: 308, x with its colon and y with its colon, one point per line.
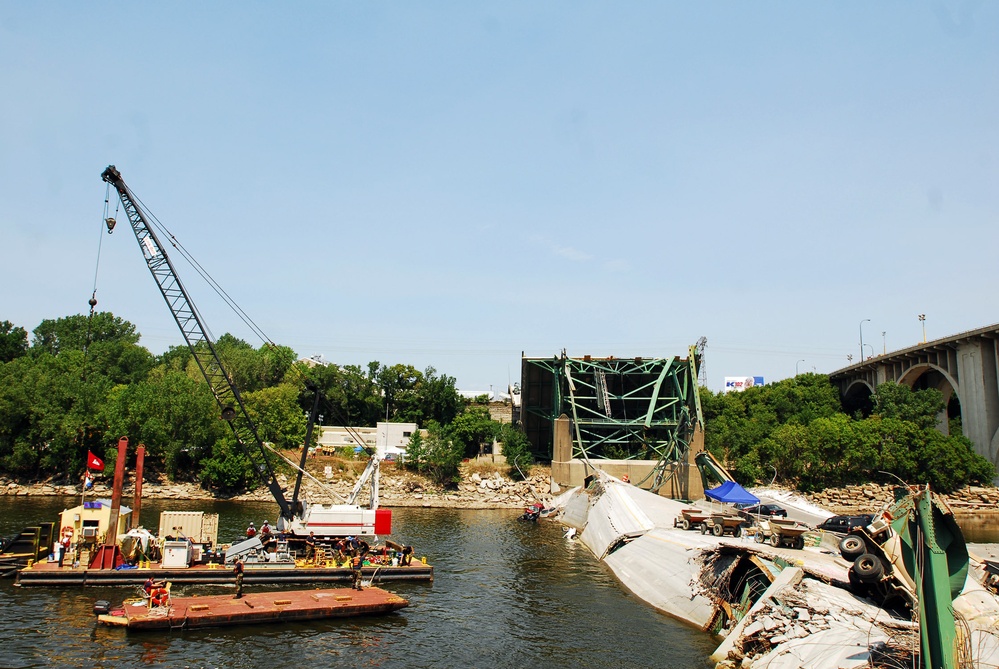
x: 507, y: 594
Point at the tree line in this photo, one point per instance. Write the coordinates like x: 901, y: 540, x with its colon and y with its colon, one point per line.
x: 82, y: 381
x: 796, y: 432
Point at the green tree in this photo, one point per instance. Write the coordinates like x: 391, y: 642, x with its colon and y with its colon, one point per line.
x: 13, y: 341
x: 437, y: 455
x: 516, y: 449
x: 175, y: 417
x: 278, y: 416
x: 472, y: 429
x: 922, y: 407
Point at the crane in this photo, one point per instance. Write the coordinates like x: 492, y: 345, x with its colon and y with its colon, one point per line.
x: 297, y: 517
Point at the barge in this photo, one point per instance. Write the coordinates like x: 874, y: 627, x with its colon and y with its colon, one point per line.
x: 255, y: 608
x: 50, y: 574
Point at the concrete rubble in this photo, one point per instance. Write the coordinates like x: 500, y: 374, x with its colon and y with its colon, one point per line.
x: 807, y: 616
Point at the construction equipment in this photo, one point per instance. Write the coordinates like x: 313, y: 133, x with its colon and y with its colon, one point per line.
x: 295, y: 517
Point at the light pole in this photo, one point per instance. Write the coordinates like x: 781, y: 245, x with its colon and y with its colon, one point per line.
x: 884, y: 343
x: 796, y: 366
x: 922, y: 319
x: 870, y: 347
x: 866, y: 320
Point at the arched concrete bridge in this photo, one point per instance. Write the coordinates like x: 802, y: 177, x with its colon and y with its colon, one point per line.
x: 964, y: 367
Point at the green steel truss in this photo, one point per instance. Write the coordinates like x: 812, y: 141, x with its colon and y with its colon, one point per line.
x: 619, y: 408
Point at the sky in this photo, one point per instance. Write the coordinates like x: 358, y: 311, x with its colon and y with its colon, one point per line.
x: 457, y: 184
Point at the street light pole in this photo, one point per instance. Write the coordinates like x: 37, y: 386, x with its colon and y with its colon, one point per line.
x: 866, y: 320
x: 796, y: 366
x: 884, y: 343
x: 922, y: 319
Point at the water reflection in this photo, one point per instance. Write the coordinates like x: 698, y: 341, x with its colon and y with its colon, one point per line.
x: 507, y: 594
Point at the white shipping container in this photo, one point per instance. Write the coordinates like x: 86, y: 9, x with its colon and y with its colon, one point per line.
x: 198, y: 526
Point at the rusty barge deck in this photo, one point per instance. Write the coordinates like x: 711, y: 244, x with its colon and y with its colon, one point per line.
x: 50, y: 574
x: 255, y: 608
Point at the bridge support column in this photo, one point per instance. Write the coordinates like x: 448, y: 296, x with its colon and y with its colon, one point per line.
x: 978, y: 371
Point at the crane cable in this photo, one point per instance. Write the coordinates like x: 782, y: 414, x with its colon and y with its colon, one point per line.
x: 203, y: 273
x: 109, y: 222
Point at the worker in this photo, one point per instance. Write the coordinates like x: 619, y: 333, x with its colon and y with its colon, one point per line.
x: 356, y: 563
x: 310, y: 547
x: 265, y: 529
x: 237, y: 569
x: 152, y: 584
x: 407, y: 556
x: 251, y: 531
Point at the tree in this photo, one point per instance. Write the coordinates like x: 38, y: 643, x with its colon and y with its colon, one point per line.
x: 472, y: 428
x: 516, y: 449
x: 278, y: 417
x: 437, y: 455
x: 175, y: 417
x: 922, y: 407
x: 13, y: 341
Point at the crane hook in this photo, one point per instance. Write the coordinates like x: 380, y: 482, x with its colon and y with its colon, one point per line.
x: 110, y: 222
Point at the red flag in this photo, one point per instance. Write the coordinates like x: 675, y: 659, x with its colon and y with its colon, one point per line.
x: 94, y: 462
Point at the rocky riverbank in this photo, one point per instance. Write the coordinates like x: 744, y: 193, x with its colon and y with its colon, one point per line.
x: 871, y: 497
x: 400, y: 489
x: 485, y: 490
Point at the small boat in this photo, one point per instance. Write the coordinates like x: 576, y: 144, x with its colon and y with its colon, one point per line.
x: 251, y: 608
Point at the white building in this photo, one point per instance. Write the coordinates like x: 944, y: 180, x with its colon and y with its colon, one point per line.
x: 388, y: 439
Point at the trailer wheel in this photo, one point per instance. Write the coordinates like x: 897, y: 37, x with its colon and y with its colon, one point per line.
x: 868, y: 568
x: 760, y: 537
x: 775, y: 540
x: 737, y: 532
x: 799, y: 542
x: 852, y: 547
x: 704, y: 528
x: 717, y: 529
x: 686, y: 523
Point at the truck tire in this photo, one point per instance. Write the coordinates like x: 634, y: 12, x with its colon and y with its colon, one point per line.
x: 704, y: 528
x: 737, y: 532
x: 775, y: 540
x: 760, y: 537
x: 868, y: 568
x: 686, y: 523
x: 799, y: 542
x: 717, y: 529
x: 851, y: 547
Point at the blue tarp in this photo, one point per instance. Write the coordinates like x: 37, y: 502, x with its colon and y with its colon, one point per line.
x: 731, y: 492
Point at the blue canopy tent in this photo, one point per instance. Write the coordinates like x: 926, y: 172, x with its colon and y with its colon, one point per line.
x: 731, y: 492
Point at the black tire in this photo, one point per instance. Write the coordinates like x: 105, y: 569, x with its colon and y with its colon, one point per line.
x: 799, y: 543
x: 717, y: 529
x: 852, y: 547
x: 737, y: 532
x: 775, y: 540
x: 686, y: 524
x: 704, y: 528
x: 760, y: 537
x: 868, y: 568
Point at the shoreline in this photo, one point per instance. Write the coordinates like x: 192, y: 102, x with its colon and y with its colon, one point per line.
x: 487, y: 491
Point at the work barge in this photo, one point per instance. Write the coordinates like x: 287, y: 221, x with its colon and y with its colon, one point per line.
x: 786, y: 607
x: 255, y: 608
x: 50, y: 574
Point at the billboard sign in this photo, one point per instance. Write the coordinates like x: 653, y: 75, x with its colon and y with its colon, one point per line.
x: 740, y: 383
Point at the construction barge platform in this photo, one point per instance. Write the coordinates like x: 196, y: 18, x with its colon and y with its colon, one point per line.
x: 51, y: 574
x: 255, y: 608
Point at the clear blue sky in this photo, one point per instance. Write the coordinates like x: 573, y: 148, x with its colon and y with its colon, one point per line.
x: 453, y: 183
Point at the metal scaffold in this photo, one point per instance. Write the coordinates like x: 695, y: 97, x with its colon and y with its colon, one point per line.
x: 619, y: 408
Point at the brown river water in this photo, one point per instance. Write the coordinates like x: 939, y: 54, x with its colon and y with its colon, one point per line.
x: 506, y: 594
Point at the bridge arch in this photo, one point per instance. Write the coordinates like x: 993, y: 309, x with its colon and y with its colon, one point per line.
x: 927, y: 375
x: 856, y: 397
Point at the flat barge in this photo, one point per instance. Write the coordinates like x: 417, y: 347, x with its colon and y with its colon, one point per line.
x: 51, y: 574
x: 255, y: 608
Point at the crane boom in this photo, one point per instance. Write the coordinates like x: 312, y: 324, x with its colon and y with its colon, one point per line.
x: 202, y: 347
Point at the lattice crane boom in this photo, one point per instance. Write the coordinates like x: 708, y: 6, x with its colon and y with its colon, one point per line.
x: 202, y: 347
